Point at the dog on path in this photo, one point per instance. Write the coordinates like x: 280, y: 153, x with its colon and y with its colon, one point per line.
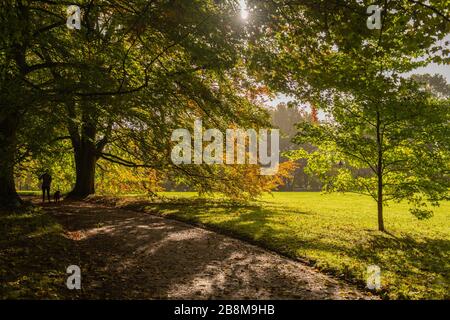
x: 57, y: 196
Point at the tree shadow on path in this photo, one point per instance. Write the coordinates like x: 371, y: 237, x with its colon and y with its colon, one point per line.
x: 125, y: 254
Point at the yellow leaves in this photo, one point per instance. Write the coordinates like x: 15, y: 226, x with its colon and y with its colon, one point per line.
x: 114, y: 179
x: 252, y: 182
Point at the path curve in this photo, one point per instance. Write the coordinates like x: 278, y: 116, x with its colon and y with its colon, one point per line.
x: 126, y: 254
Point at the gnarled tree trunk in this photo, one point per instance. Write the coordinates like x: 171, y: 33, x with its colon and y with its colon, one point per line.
x: 83, y: 143
x: 85, y: 151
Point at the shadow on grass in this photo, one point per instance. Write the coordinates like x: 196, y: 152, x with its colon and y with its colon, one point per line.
x: 412, y: 268
x: 421, y: 265
x: 34, y: 256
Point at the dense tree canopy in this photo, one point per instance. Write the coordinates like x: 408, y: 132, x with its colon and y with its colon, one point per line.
x: 133, y: 73
x: 116, y: 88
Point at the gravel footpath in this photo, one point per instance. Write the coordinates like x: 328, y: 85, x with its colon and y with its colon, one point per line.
x: 130, y: 255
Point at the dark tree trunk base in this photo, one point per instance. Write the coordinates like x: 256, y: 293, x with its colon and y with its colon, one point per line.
x: 8, y: 195
x: 12, y: 201
x: 76, y: 196
x: 85, y: 161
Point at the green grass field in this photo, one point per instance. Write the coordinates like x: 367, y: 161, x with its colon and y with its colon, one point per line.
x: 32, y: 250
x: 334, y: 232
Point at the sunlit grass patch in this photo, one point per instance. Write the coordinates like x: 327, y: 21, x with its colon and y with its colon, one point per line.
x: 336, y: 233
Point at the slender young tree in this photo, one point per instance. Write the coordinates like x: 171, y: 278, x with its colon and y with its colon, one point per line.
x: 392, y: 147
x: 323, y: 52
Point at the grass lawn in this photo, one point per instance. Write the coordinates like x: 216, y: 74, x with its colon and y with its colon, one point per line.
x: 33, y: 256
x: 30, y: 193
x: 336, y: 233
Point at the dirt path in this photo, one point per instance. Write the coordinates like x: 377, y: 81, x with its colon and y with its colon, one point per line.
x: 126, y: 254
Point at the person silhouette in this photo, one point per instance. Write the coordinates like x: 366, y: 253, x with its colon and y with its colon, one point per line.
x: 46, y: 184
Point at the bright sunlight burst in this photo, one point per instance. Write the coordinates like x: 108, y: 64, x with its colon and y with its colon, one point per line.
x: 244, y: 10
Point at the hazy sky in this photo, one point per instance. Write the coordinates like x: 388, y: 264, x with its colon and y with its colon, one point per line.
x: 432, y: 68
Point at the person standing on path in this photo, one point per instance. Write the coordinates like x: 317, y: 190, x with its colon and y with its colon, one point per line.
x: 46, y: 184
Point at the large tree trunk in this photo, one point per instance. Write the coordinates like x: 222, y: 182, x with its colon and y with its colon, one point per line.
x: 85, y: 161
x: 86, y: 148
x: 85, y: 151
x: 8, y: 132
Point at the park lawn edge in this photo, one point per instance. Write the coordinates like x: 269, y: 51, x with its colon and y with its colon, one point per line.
x: 138, y: 205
